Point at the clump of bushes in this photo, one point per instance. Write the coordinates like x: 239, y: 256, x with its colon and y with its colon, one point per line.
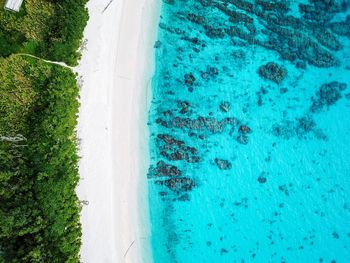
x: 39, y: 209
x: 51, y: 29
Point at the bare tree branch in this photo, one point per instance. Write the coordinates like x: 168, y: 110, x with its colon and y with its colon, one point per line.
x: 129, y: 248
x: 110, y: 2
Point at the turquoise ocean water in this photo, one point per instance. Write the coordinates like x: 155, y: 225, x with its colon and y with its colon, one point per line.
x: 250, y: 132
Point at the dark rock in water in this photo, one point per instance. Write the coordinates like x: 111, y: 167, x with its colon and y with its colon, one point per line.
x: 306, y: 39
x: 305, y: 125
x: 161, y: 122
x: 201, y: 123
x: 182, y: 184
x: 284, y: 130
x: 184, y: 197
x: 244, y: 129
x: 284, y: 188
x: 168, y: 139
x: 167, y: 170
x: 320, y: 135
x: 196, y: 18
x: 223, y: 251
x: 184, y: 106
x: 281, y: 6
x: 327, y: 39
x: 283, y: 90
x: 164, y: 169
x: 347, y: 96
x: 163, y: 193
x: 225, y: 106
x: 214, y: 32
x: 293, y: 45
x: 273, y: 72
x: 299, y: 128
x: 211, y: 72
x: 335, y: 235
x: 239, y: 54
x: 328, y: 95
x: 189, y: 79
x: 341, y: 28
x: 193, y: 40
x: 242, y: 203
x: 223, y: 164
x: 264, y: 90
x: 170, y: 2
x: 205, y: 75
x: 157, y: 44
x: 301, y: 65
x: 260, y: 100
x: 262, y: 179
x: 242, y: 139
x: 260, y: 93
x: 175, y: 150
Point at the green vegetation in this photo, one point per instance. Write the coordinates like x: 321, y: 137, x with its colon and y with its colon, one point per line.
x: 39, y: 210
x: 51, y: 29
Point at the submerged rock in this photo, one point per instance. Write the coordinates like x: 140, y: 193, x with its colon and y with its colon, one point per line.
x: 244, y: 129
x: 308, y: 38
x: 223, y: 164
x: 335, y: 235
x: 284, y: 188
x: 213, y: 32
x: 182, y: 184
x: 163, y: 193
x: 157, y: 44
x: 304, y: 125
x: 223, y: 251
x: 210, y: 72
x: 189, y: 79
x: 273, y: 72
x: 184, y: 197
x: 175, y: 150
x: 196, y: 18
x: 299, y: 128
x: 328, y: 94
x: 242, y: 139
x: 170, y: 2
x: 262, y: 179
x: 209, y: 124
x: 283, y: 90
x: 341, y: 28
x: 225, y: 106
x: 163, y: 169
x: 184, y: 106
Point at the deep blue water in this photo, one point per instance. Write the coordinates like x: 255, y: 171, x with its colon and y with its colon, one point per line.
x: 250, y: 132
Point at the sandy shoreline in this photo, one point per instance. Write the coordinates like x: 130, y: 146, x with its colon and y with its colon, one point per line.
x: 116, y: 69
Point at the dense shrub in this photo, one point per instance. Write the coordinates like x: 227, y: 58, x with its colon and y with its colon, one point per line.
x: 51, y: 29
x: 39, y: 210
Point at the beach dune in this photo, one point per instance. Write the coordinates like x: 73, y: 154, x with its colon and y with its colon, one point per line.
x: 116, y: 70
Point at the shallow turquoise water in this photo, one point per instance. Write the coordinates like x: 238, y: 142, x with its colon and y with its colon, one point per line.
x: 250, y: 163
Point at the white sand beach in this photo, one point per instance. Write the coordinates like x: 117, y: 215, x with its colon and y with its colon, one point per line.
x: 116, y: 69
